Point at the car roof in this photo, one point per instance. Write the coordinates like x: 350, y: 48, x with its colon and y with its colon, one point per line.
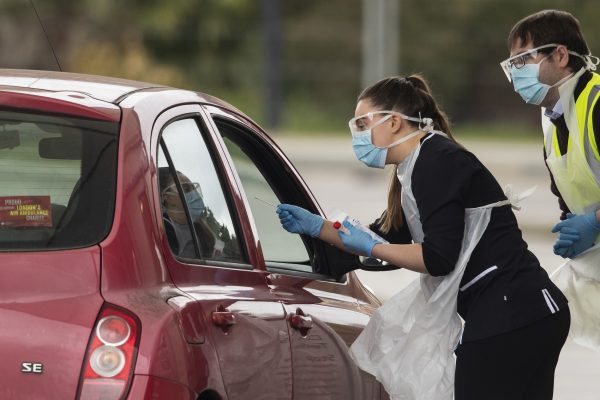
x: 102, y: 88
x: 99, y: 87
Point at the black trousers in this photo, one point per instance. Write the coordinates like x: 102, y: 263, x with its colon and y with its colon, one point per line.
x: 517, y: 365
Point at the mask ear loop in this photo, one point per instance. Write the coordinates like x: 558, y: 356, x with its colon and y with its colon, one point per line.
x: 591, y: 62
x: 425, y: 124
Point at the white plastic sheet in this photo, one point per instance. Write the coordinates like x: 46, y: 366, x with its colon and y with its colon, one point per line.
x: 579, y: 280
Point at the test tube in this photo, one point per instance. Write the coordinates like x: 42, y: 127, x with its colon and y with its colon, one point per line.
x: 338, y: 226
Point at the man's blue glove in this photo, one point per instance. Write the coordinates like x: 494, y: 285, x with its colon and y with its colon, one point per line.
x: 356, y: 240
x: 577, y: 234
x: 296, y: 219
x: 564, y: 244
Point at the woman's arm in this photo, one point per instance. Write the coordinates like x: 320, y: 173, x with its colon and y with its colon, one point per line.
x: 330, y: 235
x: 408, y: 256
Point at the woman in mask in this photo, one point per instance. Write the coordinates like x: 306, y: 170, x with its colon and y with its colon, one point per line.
x: 448, y: 220
x: 175, y: 220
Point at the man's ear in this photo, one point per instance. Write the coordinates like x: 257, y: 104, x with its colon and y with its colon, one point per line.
x: 562, y: 56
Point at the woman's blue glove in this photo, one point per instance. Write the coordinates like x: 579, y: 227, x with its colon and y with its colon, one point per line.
x: 296, y: 219
x: 577, y: 234
x: 356, y: 240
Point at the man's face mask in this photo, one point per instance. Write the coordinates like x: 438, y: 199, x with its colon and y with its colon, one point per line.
x: 526, y: 82
x: 525, y: 76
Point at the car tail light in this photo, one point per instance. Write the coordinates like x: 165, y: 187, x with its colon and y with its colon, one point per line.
x: 110, y: 356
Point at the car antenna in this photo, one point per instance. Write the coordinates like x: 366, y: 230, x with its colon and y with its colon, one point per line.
x: 46, y: 34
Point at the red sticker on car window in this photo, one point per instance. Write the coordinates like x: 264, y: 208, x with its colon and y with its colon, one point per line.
x: 25, y: 211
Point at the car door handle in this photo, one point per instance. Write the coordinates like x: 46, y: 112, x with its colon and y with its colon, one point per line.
x: 223, y: 318
x: 301, y: 322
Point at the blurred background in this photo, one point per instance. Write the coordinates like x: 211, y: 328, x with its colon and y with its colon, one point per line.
x: 296, y: 68
x: 292, y: 65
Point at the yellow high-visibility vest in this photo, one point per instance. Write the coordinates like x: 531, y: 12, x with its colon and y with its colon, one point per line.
x: 576, y: 173
x: 583, y: 105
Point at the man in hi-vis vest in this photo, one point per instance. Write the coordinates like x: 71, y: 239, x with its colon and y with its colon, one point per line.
x: 550, y: 65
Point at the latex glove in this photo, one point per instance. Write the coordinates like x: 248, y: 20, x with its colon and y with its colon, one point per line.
x: 580, y: 230
x: 296, y: 219
x: 356, y: 240
x: 564, y: 244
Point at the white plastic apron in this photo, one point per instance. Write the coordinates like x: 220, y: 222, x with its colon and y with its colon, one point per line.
x: 408, y: 344
x: 579, y: 278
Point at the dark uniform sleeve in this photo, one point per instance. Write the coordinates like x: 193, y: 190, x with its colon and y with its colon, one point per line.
x: 441, y: 180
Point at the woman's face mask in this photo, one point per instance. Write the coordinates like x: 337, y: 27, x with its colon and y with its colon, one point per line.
x: 195, y: 204
x: 362, y: 139
x: 193, y: 199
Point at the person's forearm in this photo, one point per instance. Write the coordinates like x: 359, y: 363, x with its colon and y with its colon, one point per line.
x: 408, y: 256
x: 330, y: 235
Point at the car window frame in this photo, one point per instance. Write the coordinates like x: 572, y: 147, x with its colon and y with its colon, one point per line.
x: 320, y: 253
x: 195, y: 112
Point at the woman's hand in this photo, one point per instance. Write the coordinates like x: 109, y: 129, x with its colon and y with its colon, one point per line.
x: 356, y: 240
x: 296, y: 219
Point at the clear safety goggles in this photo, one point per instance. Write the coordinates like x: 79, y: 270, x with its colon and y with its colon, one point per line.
x: 366, y: 121
x: 518, y: 61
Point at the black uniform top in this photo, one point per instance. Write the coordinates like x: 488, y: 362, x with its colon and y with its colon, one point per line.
x: 503, y: 287
x: 562, y: 135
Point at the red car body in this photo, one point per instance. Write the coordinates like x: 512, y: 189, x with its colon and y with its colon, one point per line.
x: 192, y: 329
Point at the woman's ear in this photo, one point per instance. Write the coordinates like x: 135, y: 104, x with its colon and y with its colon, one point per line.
x: 396, y: 123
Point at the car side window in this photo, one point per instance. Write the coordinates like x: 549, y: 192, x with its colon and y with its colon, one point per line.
x: 196, y: 215
x: 280, y: 248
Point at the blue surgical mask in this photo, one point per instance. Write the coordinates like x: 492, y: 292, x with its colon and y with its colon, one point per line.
x: 526, y: 82
x: 195, y: 204
x: 368, y: 153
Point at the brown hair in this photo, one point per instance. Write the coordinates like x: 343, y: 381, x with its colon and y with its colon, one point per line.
x: 410, y: 96
x: 551, y: 26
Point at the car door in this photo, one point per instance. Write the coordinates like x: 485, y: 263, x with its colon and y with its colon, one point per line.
x: 208, y: 248
x: 324, y: 316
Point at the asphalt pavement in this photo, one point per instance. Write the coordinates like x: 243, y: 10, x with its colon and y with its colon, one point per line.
x: 338, y: 181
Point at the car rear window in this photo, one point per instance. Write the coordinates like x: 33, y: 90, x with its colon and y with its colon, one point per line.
x: 57, y: 180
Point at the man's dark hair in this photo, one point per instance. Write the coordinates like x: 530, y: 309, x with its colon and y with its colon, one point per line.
x: 551, y: 26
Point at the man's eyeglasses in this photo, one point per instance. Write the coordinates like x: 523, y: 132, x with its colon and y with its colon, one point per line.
x: 518, y: 61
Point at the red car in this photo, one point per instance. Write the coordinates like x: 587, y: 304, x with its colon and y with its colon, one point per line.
x: 141, y: 256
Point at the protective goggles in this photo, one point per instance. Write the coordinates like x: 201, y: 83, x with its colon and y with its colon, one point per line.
x: 526, y: 57
x: 186, y: 186
x: 518, y: 61
x: 365, y: 121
